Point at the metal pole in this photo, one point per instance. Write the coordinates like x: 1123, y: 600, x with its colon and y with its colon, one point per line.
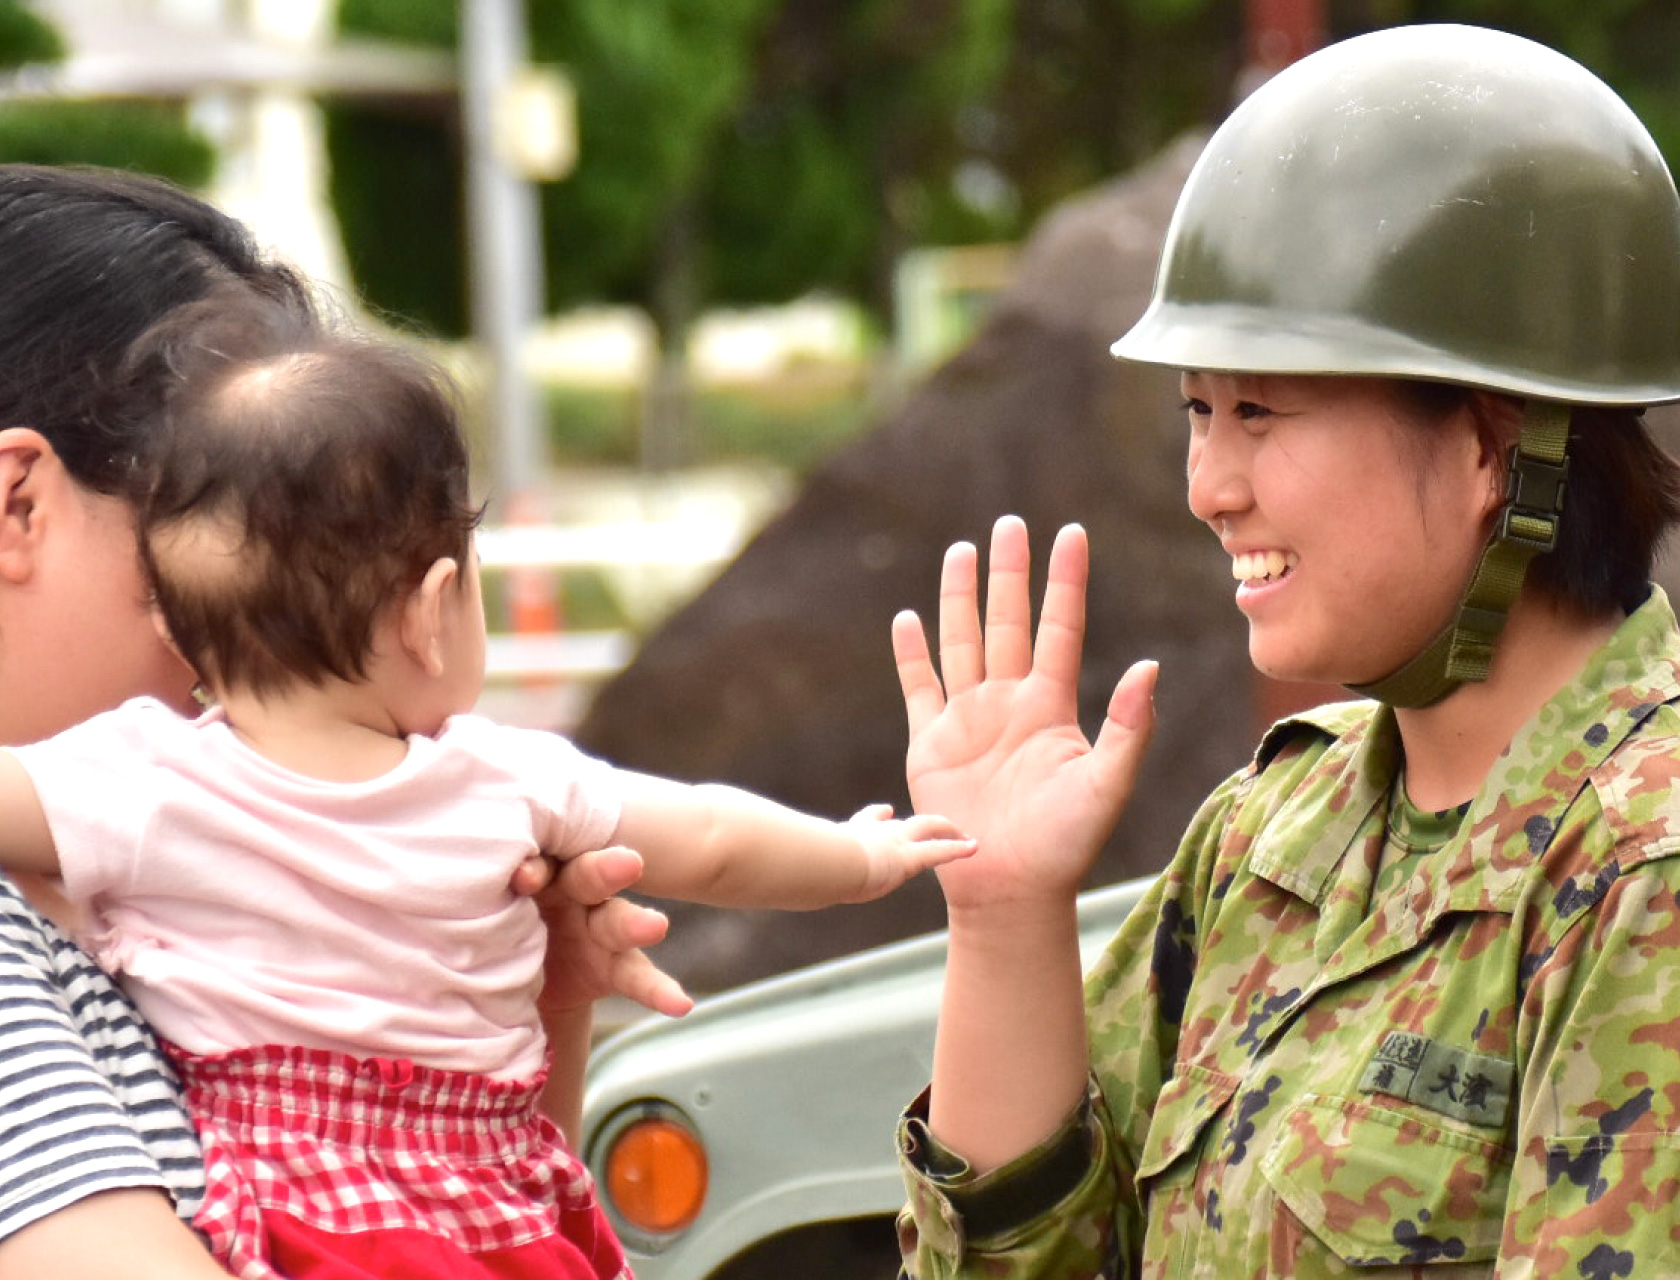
x: 504, y: 250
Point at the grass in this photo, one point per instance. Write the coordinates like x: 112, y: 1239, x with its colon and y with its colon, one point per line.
x: 792, y: 422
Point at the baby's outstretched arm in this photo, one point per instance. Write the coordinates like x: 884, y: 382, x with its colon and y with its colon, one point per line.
x: 26, y: 842
x: 730, y: 848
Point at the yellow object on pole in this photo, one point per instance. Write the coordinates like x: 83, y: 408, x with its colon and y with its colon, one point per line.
x: 536, y: 124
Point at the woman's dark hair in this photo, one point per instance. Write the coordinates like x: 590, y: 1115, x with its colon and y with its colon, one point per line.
x: 89, y: 258
x: 303, y: 481
x: 1621, y: 499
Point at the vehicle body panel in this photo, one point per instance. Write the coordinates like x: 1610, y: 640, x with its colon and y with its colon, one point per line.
x: 794, y: 1086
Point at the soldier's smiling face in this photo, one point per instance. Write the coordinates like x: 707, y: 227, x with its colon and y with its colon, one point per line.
x: 1350, y: 544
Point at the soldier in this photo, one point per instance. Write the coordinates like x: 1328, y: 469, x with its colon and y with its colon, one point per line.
x: 1405, y: 995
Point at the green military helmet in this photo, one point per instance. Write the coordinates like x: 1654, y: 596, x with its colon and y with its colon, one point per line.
x: 1438, y: 202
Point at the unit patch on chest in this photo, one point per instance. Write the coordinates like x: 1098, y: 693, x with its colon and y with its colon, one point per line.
x: 1472, y: 1087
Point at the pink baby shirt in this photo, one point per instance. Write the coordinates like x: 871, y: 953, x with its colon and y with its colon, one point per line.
x: 247, y: 904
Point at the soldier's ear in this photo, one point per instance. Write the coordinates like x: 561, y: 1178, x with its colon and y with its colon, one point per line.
x: 1498, y: 420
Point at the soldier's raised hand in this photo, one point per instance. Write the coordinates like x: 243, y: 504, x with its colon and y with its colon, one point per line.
x: 995, y: 742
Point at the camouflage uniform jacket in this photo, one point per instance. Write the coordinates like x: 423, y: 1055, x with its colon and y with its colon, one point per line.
x: 1475, y: 1074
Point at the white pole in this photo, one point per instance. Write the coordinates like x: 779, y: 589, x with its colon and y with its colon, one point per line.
x: 504, y: 249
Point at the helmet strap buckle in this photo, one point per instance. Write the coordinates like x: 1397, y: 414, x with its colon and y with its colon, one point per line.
x: 1533, y: 499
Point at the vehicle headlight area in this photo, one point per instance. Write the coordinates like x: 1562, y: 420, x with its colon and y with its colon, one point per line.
x: 651, y: 1171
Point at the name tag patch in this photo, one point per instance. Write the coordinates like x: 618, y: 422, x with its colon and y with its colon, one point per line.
x: 1473, y: 1087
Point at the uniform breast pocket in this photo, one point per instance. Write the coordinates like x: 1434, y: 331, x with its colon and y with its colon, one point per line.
x: 1608, y: 1207
x: 1179, y: 1125
x: 1379, y: 1187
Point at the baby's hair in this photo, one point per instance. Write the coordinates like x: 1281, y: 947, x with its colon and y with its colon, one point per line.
x: 305, y: 479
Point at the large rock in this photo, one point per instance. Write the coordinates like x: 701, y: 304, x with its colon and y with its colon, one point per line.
x: 779, y: 676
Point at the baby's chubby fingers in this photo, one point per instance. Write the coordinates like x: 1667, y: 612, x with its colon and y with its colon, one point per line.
x: 933, y: 826
x: 895, y: 851
x: 872, y: 813
x: 933, y: 841
x: 936, y: 853
x: 929, y: 839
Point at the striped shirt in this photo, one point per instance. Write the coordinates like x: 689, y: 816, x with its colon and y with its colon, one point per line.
x: 87, y: 1102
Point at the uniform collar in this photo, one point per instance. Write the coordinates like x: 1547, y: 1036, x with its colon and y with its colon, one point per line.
x: 1513, y: 817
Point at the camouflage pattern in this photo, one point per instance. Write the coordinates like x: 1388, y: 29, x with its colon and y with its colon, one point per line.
x: 1475, y: 1073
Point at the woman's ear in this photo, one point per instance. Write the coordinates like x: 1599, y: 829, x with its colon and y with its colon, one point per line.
x: 28, y: 466
x: 422, y: 616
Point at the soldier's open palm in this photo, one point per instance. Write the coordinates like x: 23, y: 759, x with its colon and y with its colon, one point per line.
x: 995, y: 742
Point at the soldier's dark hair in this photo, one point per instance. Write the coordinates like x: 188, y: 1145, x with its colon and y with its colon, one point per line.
x: 303, y: 482
x: 89, y: 258
x: 1621, y: 500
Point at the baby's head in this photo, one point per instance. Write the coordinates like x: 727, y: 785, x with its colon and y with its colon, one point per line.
x: 305, y: 482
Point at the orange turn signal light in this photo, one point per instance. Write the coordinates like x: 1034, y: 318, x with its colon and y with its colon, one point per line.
x: 656, y: 1174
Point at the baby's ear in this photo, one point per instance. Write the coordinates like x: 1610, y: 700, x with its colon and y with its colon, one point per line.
x: 201, y: 692
x: 160, y: 624
x: 422, y: 615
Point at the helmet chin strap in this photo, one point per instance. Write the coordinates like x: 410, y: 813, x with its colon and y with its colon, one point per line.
x: 1527, y: 527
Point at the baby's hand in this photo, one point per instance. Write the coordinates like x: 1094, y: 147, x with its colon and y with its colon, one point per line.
x: 896, y: 849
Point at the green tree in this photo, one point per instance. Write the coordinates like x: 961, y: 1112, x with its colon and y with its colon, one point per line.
x: 853, y: 145
x: 26, y: 38
x: 654, y: 80
x: 1095, y: 87
x: 732, y: 152
x: 394, y: 179
x: 150, y: 137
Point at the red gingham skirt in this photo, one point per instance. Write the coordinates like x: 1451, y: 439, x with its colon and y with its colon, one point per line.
x: 321, y: 1166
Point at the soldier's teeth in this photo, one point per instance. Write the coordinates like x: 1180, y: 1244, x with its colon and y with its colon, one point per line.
x: 1261, y: 566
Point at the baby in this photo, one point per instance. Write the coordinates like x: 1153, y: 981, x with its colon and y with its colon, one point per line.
x: 306, y: 888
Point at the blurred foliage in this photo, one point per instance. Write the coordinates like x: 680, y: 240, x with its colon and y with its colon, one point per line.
x: 149, y: 137
x: 427, y: 22
x: 592, y: 424
x: 655, y: 82
x: 744, y: 151
x: 652, y: 80
x: 394, y: 179
x: 737, y: 151
x: 849, y: 148
x: 26, y: 38
x: 792, y: 423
